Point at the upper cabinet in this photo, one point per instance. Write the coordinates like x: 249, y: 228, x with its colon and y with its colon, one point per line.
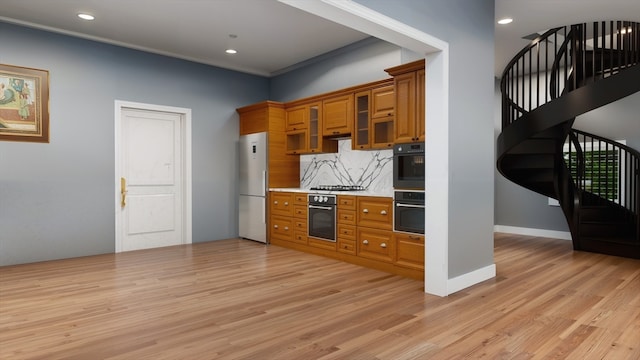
x: 270, y: 117
x: 374, y: 117
x: 297, y: 118
x: 304, y: 130
x: 337, y: 115
x: 409, y: 83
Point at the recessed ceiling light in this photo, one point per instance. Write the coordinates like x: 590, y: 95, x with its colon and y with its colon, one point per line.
x: 85, y: 16
x: 505, y: 21
x: 230, y: 49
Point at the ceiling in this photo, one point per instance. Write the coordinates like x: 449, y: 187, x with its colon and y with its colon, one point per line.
x: 271, y: 36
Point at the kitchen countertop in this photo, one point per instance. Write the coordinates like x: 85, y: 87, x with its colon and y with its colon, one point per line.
x: 388, y: 193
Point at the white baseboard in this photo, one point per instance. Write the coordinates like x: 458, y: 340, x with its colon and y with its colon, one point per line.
x: 564, y: 235
x: 464, y: 281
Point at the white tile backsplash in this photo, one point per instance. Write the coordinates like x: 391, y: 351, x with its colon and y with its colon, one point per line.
x: 372, y: 169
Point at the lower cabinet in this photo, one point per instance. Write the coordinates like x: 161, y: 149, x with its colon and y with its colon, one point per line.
x: 376, y: 244
x: 282, y: 228
x: 409, y: 251
x: 363, y: 234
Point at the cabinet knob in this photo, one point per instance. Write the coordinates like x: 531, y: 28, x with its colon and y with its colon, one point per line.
x: 275, y: 226
x: 366, y: 211
x: 286, y: 203
x: 366, y: 242
x: 383, y: 245
x: 287, y: 228
x: 383, y: 212
x: 275, y: 202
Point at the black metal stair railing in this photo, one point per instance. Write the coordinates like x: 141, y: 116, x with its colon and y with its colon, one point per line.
x: 564, y: 59
x: 605, y: 168
x: 544, y: 87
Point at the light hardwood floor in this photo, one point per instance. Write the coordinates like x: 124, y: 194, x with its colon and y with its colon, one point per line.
x: 236, y: 299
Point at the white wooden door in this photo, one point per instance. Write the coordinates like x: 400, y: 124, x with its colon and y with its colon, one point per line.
x: 151, y: 208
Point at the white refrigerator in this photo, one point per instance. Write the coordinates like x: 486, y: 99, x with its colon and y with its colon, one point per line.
x: 253, y: 187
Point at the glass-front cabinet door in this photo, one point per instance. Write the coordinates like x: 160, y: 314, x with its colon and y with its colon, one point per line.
x: 314, y: 128
x: 362, y: 121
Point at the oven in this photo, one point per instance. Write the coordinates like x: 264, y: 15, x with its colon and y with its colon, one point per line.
x: 408, y: 212
x: 322, y: 217
x: 408, y: 166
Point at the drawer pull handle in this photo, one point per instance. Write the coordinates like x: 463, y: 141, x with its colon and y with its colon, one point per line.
x: 366, y: 242
x: 383, y: 212
x: 275, y: 226
x: 366, y: 211
x: 286, y: 228
x: 276, y: 202
x: 286, y: 203
x: 383, y: 245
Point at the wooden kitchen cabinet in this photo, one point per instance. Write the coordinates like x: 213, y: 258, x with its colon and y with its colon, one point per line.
x: 409, y: 84
x: 337, y: 115
x: 375, y: 212
x: 374, y: 118
x: 281, y: 203
x: 375, y: 221
x: 297, y: 118
x: 300, y: 218
x: 375, y: 244
x: 304, y: 130
x: 409, y: 250
x: 281, y: 228
x: 346, y: 224
x: 269, y: 117
x: 361, y: 138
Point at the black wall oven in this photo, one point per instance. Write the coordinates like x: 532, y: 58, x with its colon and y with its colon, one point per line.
x: 321, y: 218
x: 408, y: 212
x: 408, y: 166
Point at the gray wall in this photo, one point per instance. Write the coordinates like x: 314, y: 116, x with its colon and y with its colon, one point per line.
x: 468, y: 27
x: 57, y: 199
x: 355, y: 64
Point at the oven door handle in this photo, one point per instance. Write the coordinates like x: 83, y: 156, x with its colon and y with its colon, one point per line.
x: 410, y: 206
x: 320, y: 207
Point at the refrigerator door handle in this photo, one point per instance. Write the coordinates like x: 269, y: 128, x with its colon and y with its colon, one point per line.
x: 264, y: 182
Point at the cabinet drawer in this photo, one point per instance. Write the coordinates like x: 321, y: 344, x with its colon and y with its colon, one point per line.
x: 346, y: 217
x: 375, y: 212
x: 347, y: 246
x: 281, y: 203
x: 300, y: 211
x: 347, y: 202
x: 281, y: 228
x: 301, y: 225
x: 300, y: 199
x: 375, y: 244
x: 300, y: 237
x: 346, y: 231
x: 410, y: 251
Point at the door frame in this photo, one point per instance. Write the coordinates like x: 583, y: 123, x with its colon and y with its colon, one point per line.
x: 185, y: 127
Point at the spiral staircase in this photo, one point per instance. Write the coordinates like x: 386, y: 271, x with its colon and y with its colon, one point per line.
x: 564, y: 73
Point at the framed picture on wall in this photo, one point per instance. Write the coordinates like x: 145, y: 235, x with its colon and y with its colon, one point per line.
x: 24, y: 104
